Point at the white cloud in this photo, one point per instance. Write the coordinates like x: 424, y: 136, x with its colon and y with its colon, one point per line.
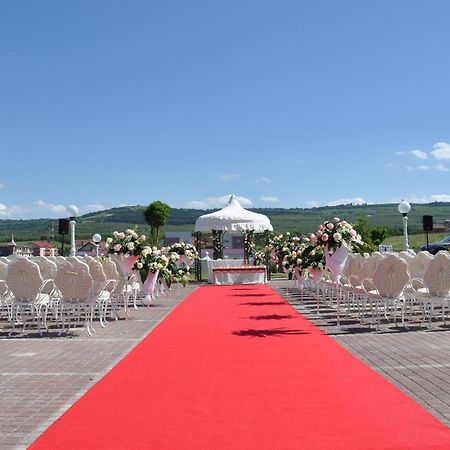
x: 40, y: 204
x: 419, y: 154
x: 338, y: 202
x: 347, y: 201
x: 269, y: 199
x: 3, y: 210
x: 427, y: 167
x: 441, y: 150
x: 229, y: 176
x: 216, y: 202
x: 196, y: 204
x: 1, y: 185
x: 263, y: 180
x: 9, y: 211
x: 428, y: 198
x: 441, y: 168
x: 94, y: 207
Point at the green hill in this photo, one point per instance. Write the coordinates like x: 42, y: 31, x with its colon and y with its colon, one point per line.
x: 296, y: 220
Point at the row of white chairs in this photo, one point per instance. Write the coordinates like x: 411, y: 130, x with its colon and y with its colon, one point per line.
x: 387, y: 285
x: 63, y: 290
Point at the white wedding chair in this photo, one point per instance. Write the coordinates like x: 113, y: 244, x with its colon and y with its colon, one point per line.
x: 75, y: 285
x: 362, y: 269
x: 112, y: 273
x: 28, y: 295
x: 386, y: 289
x: 102, y: 287
x: 46, y: 266
x: 435, y: 289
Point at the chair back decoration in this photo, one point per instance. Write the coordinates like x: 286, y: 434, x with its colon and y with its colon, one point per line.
x: 24, y: 279
x: 98, y: 275
x: 74, y: 282
x: 437, y: 275
x: 391, y: 276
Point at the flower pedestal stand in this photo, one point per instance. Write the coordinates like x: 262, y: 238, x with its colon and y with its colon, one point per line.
x: 335, y: 263
x: 148, y: 286
x: 125, y: 263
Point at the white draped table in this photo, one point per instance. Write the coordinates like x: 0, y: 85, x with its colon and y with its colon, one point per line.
x: 240, y: 275
x: 212, y: 263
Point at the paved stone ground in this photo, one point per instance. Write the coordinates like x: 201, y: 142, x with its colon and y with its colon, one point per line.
x: 415, y: 359
x: 40, y: 377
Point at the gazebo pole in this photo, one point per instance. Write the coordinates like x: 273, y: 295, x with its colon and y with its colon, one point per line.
x: 198, y: 262
x: 217, y: 244
x: 269, y: 274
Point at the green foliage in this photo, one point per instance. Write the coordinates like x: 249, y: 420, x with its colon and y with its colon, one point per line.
x: 372, y: 237
x: 378, y: 234
x: 156, y: 215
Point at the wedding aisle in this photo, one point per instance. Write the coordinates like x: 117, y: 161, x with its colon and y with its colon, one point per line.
x: 235, y: 367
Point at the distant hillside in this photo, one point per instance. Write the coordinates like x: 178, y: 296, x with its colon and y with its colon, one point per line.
x: 298, y: 220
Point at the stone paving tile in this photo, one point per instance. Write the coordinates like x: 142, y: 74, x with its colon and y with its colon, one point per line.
x: 41, y: 377
x: 415, y: 360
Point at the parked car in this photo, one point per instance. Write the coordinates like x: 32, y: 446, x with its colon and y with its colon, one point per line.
x: 443, y: 244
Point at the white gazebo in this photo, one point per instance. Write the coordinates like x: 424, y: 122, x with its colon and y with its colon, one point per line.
x: 233, y: 217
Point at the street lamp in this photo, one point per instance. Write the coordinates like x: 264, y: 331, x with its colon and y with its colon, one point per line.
x: 404, y: 208
x: 73, y: 212
x: 97, y: 239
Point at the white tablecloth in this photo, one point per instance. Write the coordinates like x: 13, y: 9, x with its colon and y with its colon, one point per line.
x: 222, y: 263
x: 240, y: 276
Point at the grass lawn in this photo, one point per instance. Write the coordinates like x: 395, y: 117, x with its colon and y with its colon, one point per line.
x: 415, y: 240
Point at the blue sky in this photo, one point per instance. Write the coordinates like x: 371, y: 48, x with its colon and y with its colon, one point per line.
x: 288, y: 103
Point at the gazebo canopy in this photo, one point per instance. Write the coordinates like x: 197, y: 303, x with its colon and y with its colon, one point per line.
x: 233, y: 217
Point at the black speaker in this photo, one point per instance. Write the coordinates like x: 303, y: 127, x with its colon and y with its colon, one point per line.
x: 427, y: 223
x: 63, y: 226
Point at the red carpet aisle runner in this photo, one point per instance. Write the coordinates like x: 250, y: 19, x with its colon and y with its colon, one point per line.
x: 237, y: 368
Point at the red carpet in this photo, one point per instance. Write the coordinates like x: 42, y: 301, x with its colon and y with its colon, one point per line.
x: 237, y: 368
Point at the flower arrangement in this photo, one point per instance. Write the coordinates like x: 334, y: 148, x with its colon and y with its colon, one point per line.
x: 181, y: 275
x: 182, y: 249
x: 259, y: 258
x: 336, y: 233
x: 151, y: 259
x: 313, y: 257
x: 279, y: 248
x: 286, y: 250
x: 126, y: 243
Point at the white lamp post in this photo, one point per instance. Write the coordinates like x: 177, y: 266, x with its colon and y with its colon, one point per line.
x: 404, y: 208
x: 97, y: 239
x: 73, y: 212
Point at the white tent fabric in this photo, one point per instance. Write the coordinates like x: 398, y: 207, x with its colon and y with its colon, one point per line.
x: 233, y: 217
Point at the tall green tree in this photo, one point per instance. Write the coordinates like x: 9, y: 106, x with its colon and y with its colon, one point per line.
x: 156, y: 215
x: 372, y: 237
